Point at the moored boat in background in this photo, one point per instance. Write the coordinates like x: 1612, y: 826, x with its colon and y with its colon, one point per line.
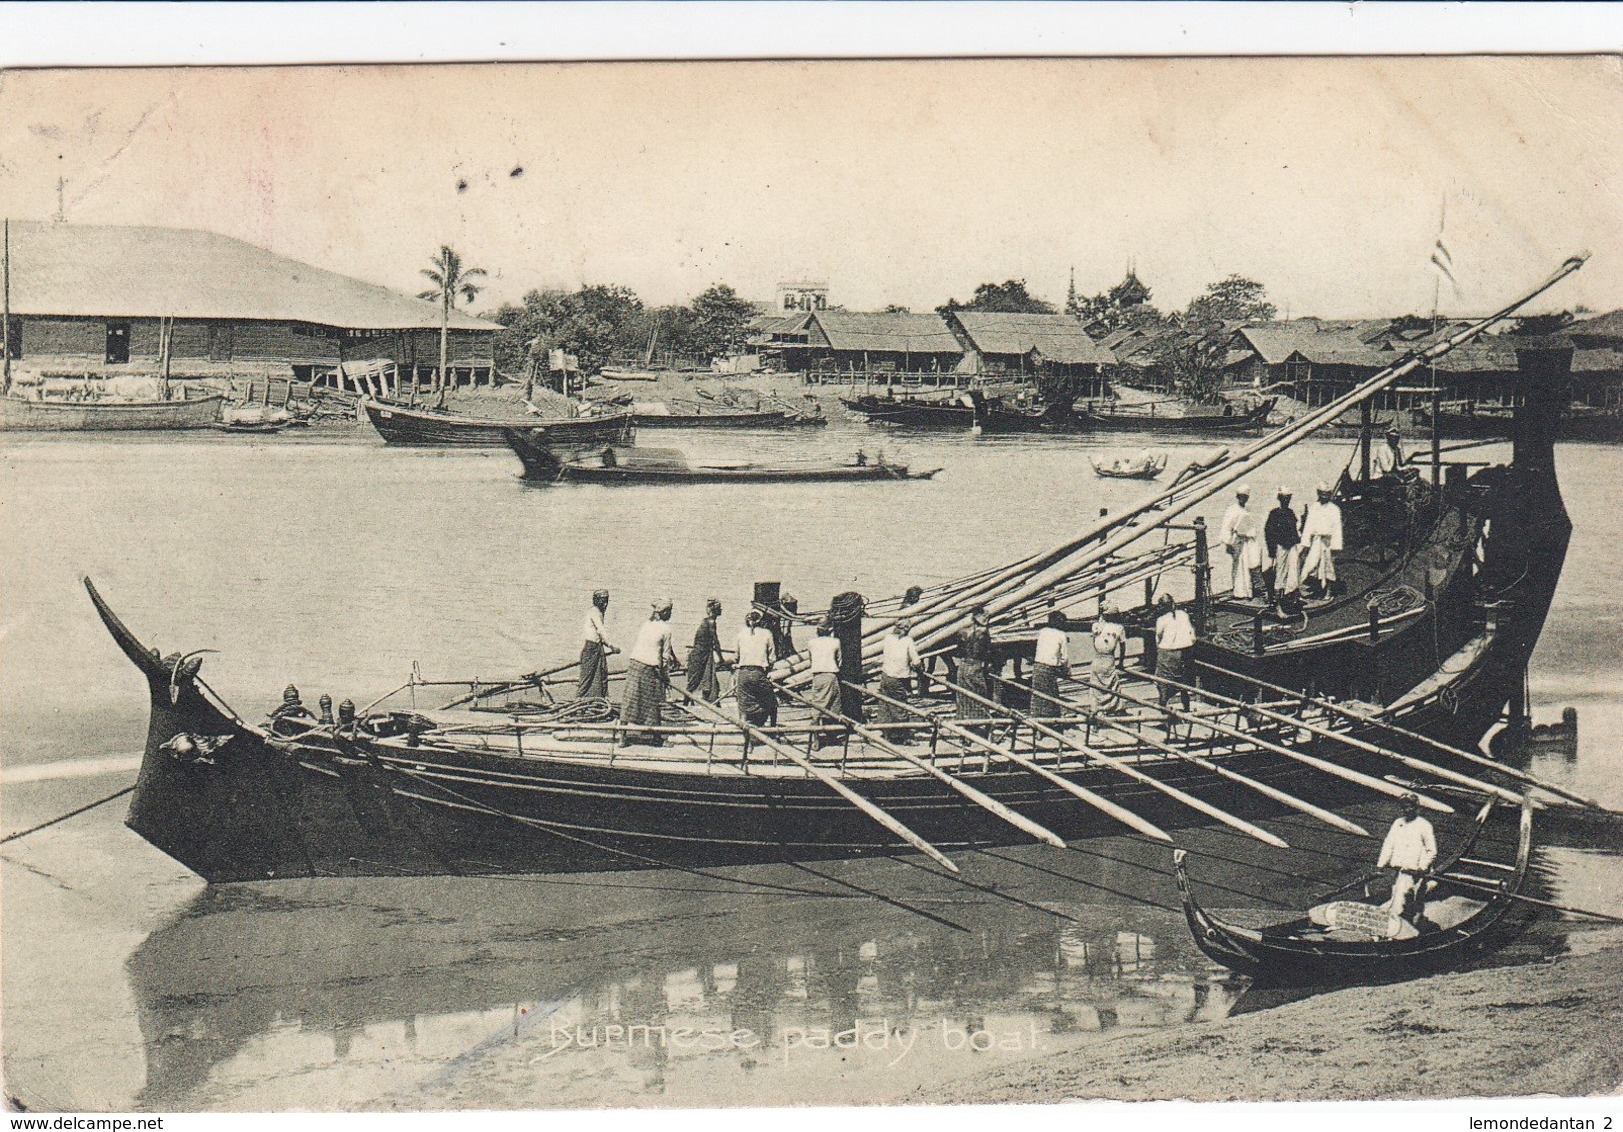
x: 27, y: 415
x: 404, y: 425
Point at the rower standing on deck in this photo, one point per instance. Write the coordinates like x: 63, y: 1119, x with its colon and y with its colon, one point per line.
x: 1238, y: 535
x: 1284, y: 546
x: 1109, y: 647
x: 1174, y: 637
x: 652, y: 660
x: 1050, y: 661
x: 896, y: 668
x: 704, y: 656
x: 1410, y: 848
x: 757, y: 651
x: 595, y: 651
x: 1321, y: 530
x: 824, y: 654
x: 974, y: 657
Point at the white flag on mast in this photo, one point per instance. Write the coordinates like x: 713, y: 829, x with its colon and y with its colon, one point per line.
x: 1440, y: 257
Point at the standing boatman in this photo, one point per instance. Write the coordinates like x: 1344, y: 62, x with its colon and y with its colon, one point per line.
x: 1109, y: 648
x: 757, y: 651
x: 595, y: 651
x: 1238, y: 534
x: 897, y: 666
x: 1050, y: 661
x: 649, y: 666
x: 1174, y: 637
x: 1321, y: 530
x: 974, y: 655
x: 1387, y: 459
x: 1410, y: 848
x: 704, y: 656
x: 1284, y: 545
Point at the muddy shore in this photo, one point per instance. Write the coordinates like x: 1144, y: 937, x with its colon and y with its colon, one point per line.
x: 1552, y: 1028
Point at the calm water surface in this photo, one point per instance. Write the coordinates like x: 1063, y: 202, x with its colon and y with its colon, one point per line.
x: 335, y: 564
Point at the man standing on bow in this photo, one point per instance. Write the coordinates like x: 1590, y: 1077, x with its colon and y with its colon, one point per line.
x: 652, y: 660
x: 1410, y: 848
x: 1049, y: 663
x: 897, y: 666
x: 1174, y: 637
x: 704, y: 656
x: 1321, y: 530
x: 1109, y: 648
x: 1284, y: 544
x: 1238, y: 535
x: 757, y: 651
x: 595, y: 651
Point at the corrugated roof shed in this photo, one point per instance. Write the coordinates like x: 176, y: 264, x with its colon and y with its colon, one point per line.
x: 102, y: 271
x: 894, y: 332
x: 994, y: 332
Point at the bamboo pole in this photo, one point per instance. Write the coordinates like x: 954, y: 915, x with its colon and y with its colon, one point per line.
x: 1352, y: 741
x: 1104, y: 805
x: 1380, y: 786
x: 1326, y: 816
x: 991, y: 805
x: 533, y: 680
x: 5, y: 317
x: 869, y: 808
x: 1132, y: 772
x: 1446, y: 748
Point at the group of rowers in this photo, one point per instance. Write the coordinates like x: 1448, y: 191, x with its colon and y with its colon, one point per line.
x: 767, y: 637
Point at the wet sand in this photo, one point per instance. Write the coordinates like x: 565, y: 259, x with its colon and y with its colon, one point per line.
x: 1549, y: 1028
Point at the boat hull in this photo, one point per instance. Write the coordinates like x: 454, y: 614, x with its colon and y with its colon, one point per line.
x: 415, y: 427
x: 17, y: 414
x: 773, y: 419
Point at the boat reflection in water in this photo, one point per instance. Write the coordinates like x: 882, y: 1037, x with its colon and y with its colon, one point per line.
x: 422, y: 992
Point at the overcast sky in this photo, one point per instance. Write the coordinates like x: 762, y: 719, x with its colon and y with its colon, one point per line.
x: 904, y: 182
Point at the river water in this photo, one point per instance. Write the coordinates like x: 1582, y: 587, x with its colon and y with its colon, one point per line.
x: 333, y: 563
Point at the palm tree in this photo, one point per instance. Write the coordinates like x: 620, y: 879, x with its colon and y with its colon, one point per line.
x: 450, y: 280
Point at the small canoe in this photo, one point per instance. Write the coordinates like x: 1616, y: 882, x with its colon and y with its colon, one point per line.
x: 671, y: 466
x: 723, y: 416
x: 1347, y: 942
x: 1131, y: 468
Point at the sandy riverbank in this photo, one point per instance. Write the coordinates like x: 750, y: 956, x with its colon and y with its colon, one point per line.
x: 1548, y: 1028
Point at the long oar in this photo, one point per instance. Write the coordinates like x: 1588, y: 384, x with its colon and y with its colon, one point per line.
x: 1278, y: 795
x: 1489, y: 889
x: 531, y: 681
x: 1447, y: 749
x: 991, y: 805
x: 1412, y: 763
x: 1132, y: 772
x: 1102, y: 804
x: 1379, y: 785
x: 876, y: 813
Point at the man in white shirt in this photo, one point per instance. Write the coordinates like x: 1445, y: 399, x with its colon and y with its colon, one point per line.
x: 652, y: 659
x: 824, y: 654
x: 1321, y: 531
x: 1051, y: 661
x: 896, y: 668
x: 1240, y: 536
x: 1410, y: 848
x: 1174, y: 637
x: 757, y: 651
x: 595, y: 651
x: 1388, y: 458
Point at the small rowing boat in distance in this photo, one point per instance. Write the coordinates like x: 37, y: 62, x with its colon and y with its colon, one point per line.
x: 670, y: 466
x: 1305, y: 951
x: 1145, y: 467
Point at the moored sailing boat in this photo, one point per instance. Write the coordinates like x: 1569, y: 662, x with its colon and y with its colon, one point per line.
x: 517, y: 779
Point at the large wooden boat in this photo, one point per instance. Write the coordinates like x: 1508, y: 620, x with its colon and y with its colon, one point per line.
x: 1126, y: 418
x: 1471, y: 906
x: 28, y: 415
x: 914, y: 412
x: 702, y: 415
x: 399, y: 424
x: 670, y: 466
x: 1400, y: 676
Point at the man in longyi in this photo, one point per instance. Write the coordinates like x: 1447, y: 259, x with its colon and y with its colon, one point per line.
x: 1049, y: 663
x: 704, y: 656
x: 1284, y: 546
x: 1109, y: 647
x: 1174, y: 637
x: 651, y: 661
x: 1239, y: 536
x: 757, y: 651
x: 824, y: 654
x: 897, y: 667
x: 595, y: 651
x: 1410, y: 848
x: 1321, y: 531
x: 974, y: 656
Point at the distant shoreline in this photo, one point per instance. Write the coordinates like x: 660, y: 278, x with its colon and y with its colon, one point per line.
x: 1551, y: 1028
